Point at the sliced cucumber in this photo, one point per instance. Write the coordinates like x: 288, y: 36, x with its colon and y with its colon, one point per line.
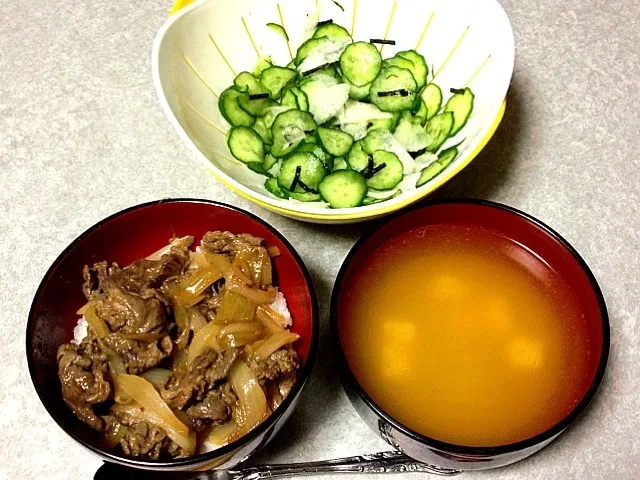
x: 320, y: 154
x: 343, y: 189
x: 276, y: 78
x: 307, y: 47
x: 272, y: 113
x: 261, y: 129
x: 358, y: 159
x: 303, y: 100
x: 271, y: 184
x: 394, y: 90
x: 246, y: 145
x: 420, y: 69
x: 304, y: 197
x: 461, y: 105
x: 279, y: 29
x: 360, y: 63
x: 289, y: 130
x: 230, y: 109
x: 258, y: 168
x: 256, y: 107
x: 289, y: 99
x: 384, y: 172
x: 334, y: 142
x: 370, y: 200
x: 262, y: 65
x: 376, y: 139
x: 390, y: 123
x: 422, y: 112
x: 439, y: 128
x: 399, y: 62
x: 432, y: 96
x: 358, y: 93
x: 301, y: 173
x: 340, y: 164
x: 247, y: 83
x: 444, y: 159
x: 269, y: 162
x: 332, y: 31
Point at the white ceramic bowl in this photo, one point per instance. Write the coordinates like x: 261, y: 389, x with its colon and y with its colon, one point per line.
x: 199, y: 50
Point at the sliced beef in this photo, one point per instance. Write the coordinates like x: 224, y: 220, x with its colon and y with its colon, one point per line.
x: 193, y: 385
x: 144, y: 276
x: 230, y: 243
x: 215, y: 409
x: 145, y: 440
x: 95, y: 276
x: 279, y: 370
x: 83, y: 370
x: 131, y: 314
x: 139, y: 355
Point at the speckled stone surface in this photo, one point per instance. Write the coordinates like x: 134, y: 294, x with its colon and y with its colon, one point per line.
x: 82, y: 136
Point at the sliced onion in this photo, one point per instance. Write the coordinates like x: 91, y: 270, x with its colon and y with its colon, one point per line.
x: 252, y: 402
x: 222, y: 435
x: 195, y: 284
x: 182, y: 322
x: 204, y: 339
x: 185, y: 241
x: 157, y: 377
x: 253, y: 294
x: 157, y: 410
x: 196, y: 320
x: 274, y: 343
x: 270, y: 318
x: 230, y: 271
x: 235, y: 308
x: 98, y: 325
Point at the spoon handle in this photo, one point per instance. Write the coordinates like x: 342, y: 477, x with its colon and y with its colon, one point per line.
x: 383, y: 462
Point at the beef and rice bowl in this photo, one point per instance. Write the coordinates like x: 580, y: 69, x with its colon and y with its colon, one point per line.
x: 183, y: 351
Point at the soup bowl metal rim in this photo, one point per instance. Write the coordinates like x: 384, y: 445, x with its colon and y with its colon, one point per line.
x: 202, y: 458
x: 538, y: 439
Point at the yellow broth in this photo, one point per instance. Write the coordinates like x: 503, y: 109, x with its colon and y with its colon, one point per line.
x: 464, y: 336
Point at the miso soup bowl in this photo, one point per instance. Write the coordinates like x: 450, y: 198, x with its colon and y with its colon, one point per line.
x: 127, y: 236
x: 532, y: 234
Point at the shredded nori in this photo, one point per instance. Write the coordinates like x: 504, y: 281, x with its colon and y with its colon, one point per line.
x: 382, y: 41
x: 317, y: 69
x: 324, y: 22
x: 418, y: 153
x: 258, y: 96
x: 338, y: 5
x: 395, y: 93
x: 457, y: 90
x: 297, y: 181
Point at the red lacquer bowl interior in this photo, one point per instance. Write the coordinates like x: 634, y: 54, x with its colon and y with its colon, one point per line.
x: 521, y: 228
x: 128, y: 236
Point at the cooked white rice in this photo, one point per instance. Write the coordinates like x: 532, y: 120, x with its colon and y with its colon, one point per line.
x: 280, y: 306
x: 80, y: 331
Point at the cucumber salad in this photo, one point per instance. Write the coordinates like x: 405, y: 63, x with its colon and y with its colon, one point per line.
x: 340, y: 124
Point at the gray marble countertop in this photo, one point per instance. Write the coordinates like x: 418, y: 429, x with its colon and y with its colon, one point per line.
x: 82, y: 136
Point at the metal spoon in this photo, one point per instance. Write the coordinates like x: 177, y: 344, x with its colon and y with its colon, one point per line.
x: 384, y: 462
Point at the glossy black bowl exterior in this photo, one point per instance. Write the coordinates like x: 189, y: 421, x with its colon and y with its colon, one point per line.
x: 432, y: 451
x: 138, y: 231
